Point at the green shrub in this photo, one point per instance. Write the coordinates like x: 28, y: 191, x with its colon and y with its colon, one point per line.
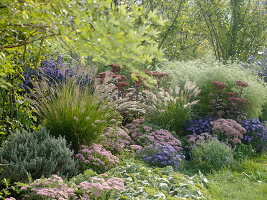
x: 203, y: 72
x: 36, y: 154
x: 212, y: 155
x: 74, y: 112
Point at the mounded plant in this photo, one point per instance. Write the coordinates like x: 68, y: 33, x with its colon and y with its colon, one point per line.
x: 96, y: 157
x: 36, y: 154
x: 256, y: 134
x: 161, y: 156
x: 212, y: 155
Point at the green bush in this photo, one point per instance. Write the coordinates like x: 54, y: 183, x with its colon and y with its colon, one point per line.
x: 36, y: 154
x: 212, y: 155
x: 74, y: 112
x: 203, y: 72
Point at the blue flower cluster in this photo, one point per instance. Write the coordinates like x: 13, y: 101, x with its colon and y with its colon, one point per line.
x: 259, y: 65
x: 256, y: 133
x: 198, y: 126
x: 161, y: 156
x: 56, y: 70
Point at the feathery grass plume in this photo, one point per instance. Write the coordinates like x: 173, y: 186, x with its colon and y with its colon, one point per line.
x: 126, y: 104
x: 171, y: 109
x: 73, y: 111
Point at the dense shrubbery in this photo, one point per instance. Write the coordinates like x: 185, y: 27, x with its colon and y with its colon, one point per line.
x: 36, y: 154
x: 203, y: 72
x: 93, y: 74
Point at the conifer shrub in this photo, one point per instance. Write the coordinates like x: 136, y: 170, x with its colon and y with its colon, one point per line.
x: 35, y: 154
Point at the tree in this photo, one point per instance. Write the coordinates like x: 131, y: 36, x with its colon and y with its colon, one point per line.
x: 235, y: 28
x: 122, y: 34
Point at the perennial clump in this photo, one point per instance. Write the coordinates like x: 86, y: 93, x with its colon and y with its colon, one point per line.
x: 96, y: 157
x: 228, y: 130
x: 161, y: 156
x: 145, y: 135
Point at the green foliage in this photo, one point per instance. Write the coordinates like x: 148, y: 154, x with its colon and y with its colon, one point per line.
x: 74, y: 112
x: 204, y: 71
x: 243, y: 151
x: 142, y: 182
x: 35, y: 154
x: 171, y: 109
x: 212, y: 155
x: 7, y: 188
x: 91, y: 28
x: 234, y: 28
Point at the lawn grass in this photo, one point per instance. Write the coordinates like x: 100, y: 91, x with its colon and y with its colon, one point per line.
x: 245, y: 180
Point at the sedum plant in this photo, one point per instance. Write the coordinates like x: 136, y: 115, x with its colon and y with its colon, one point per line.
x: 171, y: 108
x: 73, y: 111
x: 35, y: 154
x: 145, y: 135
x: 228, y: 130
x: 55, y: 188
x: 96, y: 157
x: 118, y: 141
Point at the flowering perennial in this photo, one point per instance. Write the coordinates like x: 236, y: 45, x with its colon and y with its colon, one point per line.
x: 146, y: 135
x: 229, y: 130
x: 100, y: 187
x: 256, y: 133
x: 161, y: 156
x: 53, y: 187
x: 195, y: 140
x: 117, y: 140
x: 198, y: 126
x: 96, y: 157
